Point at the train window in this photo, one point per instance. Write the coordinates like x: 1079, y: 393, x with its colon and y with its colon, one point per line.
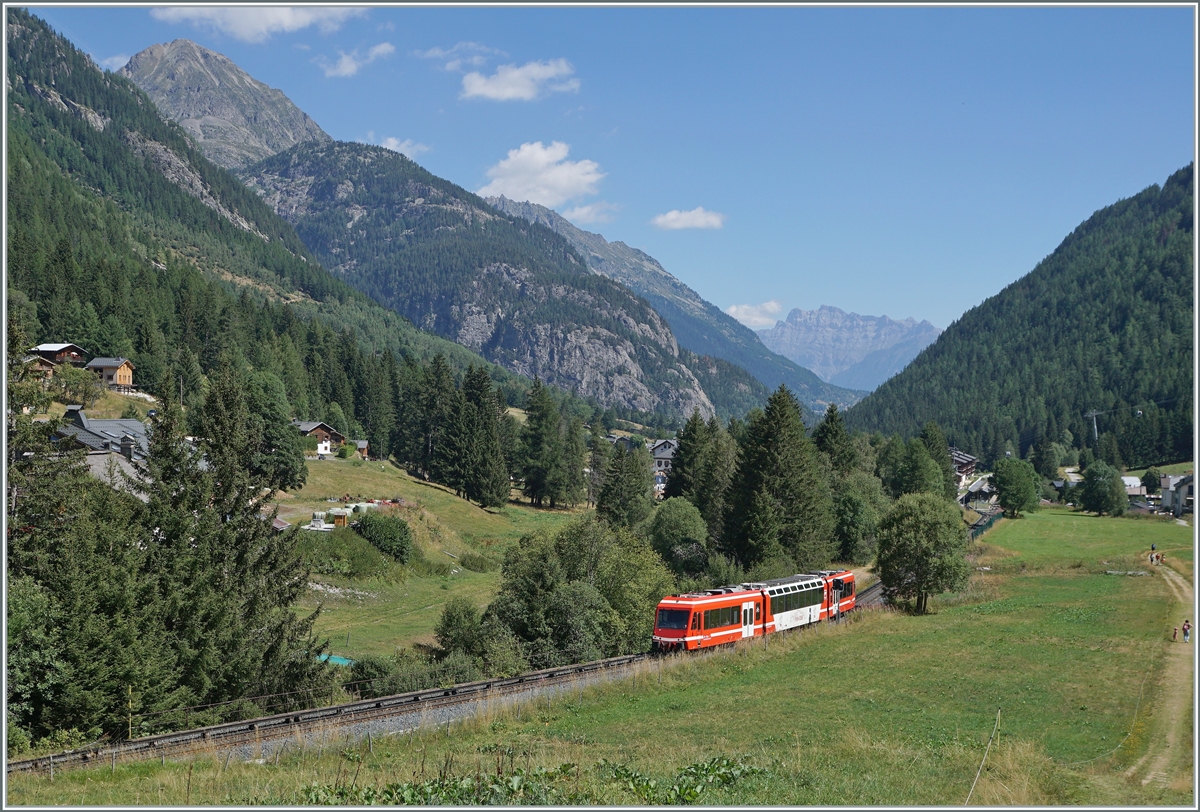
x: 758, y: 611
x: 716, y: 618
x: 696, y: 621
x: 672, y: 618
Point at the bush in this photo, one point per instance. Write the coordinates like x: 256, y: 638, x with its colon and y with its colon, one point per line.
x: 389, y: 533
x: 342, y: 552
x: 477, y: 563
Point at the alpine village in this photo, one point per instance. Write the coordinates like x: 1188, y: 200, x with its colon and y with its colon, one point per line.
x: 329, y: 482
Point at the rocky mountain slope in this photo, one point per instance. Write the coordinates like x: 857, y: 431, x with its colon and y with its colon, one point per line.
x: 846, y: 348
x: 235, y: 119
x: 697, y: 324
x: 513, y: 291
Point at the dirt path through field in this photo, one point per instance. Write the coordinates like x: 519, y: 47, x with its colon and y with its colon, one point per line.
x: 1168, y: 759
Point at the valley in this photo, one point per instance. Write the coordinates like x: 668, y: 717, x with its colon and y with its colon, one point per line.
x: 295, y: 419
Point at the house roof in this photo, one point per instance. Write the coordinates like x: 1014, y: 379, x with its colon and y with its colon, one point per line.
x: 104, y: 435
x: 55, y: 348
x: 961, y: 457
x: 306, y: 426
x: 104, y: 363
x: 360, y: 443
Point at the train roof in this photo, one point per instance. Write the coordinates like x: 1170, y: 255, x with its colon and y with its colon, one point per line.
x: 755, y: 586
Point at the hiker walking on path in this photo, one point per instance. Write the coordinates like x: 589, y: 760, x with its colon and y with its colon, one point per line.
x: 1187, y: 631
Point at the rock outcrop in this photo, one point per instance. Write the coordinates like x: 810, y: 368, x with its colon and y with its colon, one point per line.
x: 514, y: 292
x: 234, y: 119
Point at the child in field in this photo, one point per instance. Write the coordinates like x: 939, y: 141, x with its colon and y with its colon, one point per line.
x: 1175, y: 635
x: 1187, y: 631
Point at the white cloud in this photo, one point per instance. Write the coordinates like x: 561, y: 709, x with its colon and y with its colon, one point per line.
x: 756, y: 317
x: 600, y: 212
x: 257, y: 23
x: 407, y: 147
x: 525, y: 83
x: 698, y: 217
x: 462, y: 54
x: 349, y: 63
x: 542, y: 174
x: 115, y: 62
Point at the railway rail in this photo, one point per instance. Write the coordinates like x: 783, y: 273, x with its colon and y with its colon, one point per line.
x: 276, y: 730
x: 294, y: 724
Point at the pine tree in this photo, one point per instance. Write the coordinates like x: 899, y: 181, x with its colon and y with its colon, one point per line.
x: 599, y: 451
x: 939, y: 452
x: 541, y: 445
x: 571, y: 488
x: 686, y: 466
x: 833, y: 440
x: 778, y: 472
x: 628, y: 493
x: 717, y: 470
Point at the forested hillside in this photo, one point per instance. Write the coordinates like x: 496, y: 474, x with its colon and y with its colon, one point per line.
x: 1104, y: 323
x: 513, y: 291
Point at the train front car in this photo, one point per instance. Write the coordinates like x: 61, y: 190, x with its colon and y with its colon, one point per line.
x: 672, y: 624
x: 711, y: 618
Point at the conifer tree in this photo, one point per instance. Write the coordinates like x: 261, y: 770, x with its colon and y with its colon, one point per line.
x: 833, y: 440
x: 686, y: 472
x: 779, y: 484
x: 599, y: 451
x: 628, y: 493
x: 570, y: 487
x: 717, y: 470
x: 541, y: 445
x: 939, y: 452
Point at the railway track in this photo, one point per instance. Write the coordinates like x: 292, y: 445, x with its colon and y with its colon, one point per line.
x: 395, y: 713
x: 270, y: 733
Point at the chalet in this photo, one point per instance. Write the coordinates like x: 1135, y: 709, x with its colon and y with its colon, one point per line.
x: 326, y: 434
x: 964, y: 465
x: 979, y: 493
x: 40, y: 367
x: 60, y: 353
x: 117, y: 373
x: 662, y: 451
x: 362, y: 447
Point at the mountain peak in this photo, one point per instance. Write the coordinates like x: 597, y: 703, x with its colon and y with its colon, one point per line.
x: 849, y: 349
x: 234, y: 118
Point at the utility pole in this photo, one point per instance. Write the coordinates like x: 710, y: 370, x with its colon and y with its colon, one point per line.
x: 1092, y: 414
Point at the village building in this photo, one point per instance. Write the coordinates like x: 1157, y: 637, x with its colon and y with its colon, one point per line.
x: 113, y: 446
x: 116, y: 373
x: 964, y: 465
x: 327, y: 436
x: 57, y: 354
x: 1178, y: 495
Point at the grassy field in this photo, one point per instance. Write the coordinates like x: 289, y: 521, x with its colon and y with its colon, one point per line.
x: 885, y: 709
x: 1175, y: 469
x: 402, y: 607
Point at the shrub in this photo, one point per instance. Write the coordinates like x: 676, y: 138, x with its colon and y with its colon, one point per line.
x: 389, y: 534
x: 342, y: 552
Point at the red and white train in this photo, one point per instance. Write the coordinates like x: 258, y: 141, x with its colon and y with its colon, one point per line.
x: 728, y: 613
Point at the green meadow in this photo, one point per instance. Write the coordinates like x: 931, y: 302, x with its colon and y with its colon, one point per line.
x: 885, y: 709
x: 399, y: 605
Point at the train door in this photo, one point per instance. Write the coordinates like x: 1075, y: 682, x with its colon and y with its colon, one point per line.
x: 748, y: 619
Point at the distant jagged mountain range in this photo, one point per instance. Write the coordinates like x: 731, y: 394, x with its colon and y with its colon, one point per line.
x: 848, y: 349
x: 234, y: 119
x: 698, y: 325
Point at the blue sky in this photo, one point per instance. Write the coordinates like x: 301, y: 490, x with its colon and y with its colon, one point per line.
x: 905, y: 161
